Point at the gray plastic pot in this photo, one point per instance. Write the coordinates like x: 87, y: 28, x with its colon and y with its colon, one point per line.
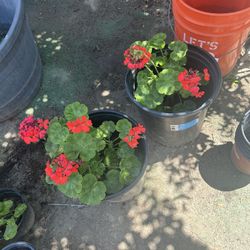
x: 20, y: 64
x: 135, y: 187
x: 19, y: 246
x: 241, y: 149
x: 175, y: 129
x: 27, y: 219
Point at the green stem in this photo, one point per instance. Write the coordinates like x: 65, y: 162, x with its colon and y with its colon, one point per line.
x: 154, y: 66
x: 146, y: 66
x: 180, y: 98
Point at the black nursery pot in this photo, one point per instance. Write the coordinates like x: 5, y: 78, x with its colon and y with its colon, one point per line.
x: 175, y: 129
x: 20, y: 63
x: 19, y: 246
x: 241, y: 149
x: 135, y: 187
x: 25, y: 222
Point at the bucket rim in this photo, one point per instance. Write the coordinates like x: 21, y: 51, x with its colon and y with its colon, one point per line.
x: 213, y: 13
x: 14, y: 24
x: 143, y: 141
x: 245, y: 120
x: 206, y: 104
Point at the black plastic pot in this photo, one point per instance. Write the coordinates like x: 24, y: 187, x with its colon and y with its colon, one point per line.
x: 241, y: 149
x: 20, y: 64
x: 19, y: 246
x: 135, y: 187
x: 175, y: 129
x: 27, y: 219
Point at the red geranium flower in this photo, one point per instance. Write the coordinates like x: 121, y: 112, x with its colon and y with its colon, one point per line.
x: 81, y: 124
x: 206, y: 74
x: 190, y: 81
x: 136, y: 57
x: 32, y: 130
x: 60, y: 169
x: 134, y: 135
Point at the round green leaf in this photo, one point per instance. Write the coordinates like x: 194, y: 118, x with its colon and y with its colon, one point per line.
x: 158, y: 41
x: 124, y: 150
x: 93, y: 191
x: 57, y: 134
x: 73, y: 187
x: 130, y: 169
x: 112, y: 181
x: 52, y: 149
x: 82, y: 144
x: 168, y: 83
x: 75, y: 110
x: 123, y: 126
x: 179, y: 50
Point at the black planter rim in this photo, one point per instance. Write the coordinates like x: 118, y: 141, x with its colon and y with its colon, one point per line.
x: 206, y: 104
x: 14, y: 25
x: 142, y: 141
x: 19, y: 244
x: 23, y: 200
x: 246, y: 119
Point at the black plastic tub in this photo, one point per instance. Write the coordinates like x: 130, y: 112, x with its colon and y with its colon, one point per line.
x: 19, y: 246
x: 27, y: 219
x: 135, y: 187
x: 241, y: 149
x: 20, y: 64
x: 175, y: 129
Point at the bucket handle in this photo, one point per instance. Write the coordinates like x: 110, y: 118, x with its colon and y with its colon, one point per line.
x: 170, y: 22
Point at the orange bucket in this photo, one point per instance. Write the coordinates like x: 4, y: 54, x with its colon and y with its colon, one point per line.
x: 219, y: 26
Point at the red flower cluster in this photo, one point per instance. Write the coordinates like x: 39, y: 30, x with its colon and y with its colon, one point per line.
x: 134, y: 135
x: 32, y: 130
x: 81, y: 124
x: 190, y: 81
x: 136, y: 57
x: 60, y: 169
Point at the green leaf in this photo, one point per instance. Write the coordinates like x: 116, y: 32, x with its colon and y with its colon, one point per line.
x: 168, y: 83
x: 107, y: 128
x: 110, y: 158
x: 2, y: 222
x: 123, y: 126
x: 158, y: 41
x: 53, y: 149
x: 97, y: 168
x: 179, y: 50
x: 75, y: 110
x: 57, y: 134
x: 19, y: 210
x: 73, y: 187
x: 5, y: 207
x: 82, y: 144
x: 143, y: 44
x: 93, y: 191
x: 112, y: 181
x: 124, y: 150
x: 11, y: 229
x: 130, y: 169
x: 151, y: 100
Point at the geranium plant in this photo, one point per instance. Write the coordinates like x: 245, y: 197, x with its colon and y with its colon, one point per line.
x: 10, y: 213
x: 87, y: 162
x: 163, y: 82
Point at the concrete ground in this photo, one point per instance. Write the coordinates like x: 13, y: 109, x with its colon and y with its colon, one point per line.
x: 193, y: 197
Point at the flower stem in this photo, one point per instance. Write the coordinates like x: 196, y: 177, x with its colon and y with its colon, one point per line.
x: 146, y: 66
x: 154, y: 66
